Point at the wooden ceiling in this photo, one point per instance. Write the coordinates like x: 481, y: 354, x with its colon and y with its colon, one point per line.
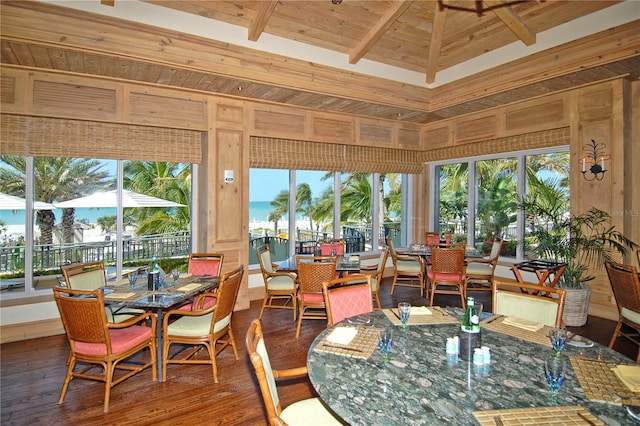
x: 421, y: 36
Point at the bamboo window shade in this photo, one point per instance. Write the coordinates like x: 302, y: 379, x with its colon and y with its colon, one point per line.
x: 273, y: 153
x: 56, y: 137
x: 534, y: 140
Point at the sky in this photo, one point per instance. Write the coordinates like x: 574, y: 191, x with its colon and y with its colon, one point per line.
x: 266, y: 184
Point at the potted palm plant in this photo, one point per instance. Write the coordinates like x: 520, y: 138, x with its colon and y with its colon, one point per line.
x: 582, y: 241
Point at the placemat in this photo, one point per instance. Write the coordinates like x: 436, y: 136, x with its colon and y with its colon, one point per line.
x: 437, y: 317
x: 120, y: 296
x: 540, y: 337
x: 601, y: 384
x: 362, y: 346
x: 189, y: 287
x: 556, y: 415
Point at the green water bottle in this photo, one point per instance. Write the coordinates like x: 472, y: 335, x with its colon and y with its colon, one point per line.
x: 154, y: 275
x: 470, y: 321
x: 470, y: 336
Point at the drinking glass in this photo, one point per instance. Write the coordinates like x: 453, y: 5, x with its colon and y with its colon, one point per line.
x: 558, y: 336
x: 385, y: 341
x: 133, y: 278
x: 176, y: 275
x: 554, y: 367
x: 404, y: 310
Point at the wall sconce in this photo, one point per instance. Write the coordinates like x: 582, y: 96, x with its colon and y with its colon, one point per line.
x: 593, y: 151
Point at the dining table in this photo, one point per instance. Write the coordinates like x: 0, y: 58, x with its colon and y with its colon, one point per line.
x: 419, y: 384
x: 424, y: 251
x: 121, y: 295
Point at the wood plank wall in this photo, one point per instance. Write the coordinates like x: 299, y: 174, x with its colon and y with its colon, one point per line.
x: 596, y: 111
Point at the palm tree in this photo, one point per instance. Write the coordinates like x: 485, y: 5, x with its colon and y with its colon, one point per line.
x: 169, y: 181
x: 281, y: 208
x: 55, y: 179
x: 304, y: 201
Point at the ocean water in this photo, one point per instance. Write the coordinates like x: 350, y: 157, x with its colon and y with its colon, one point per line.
x: 258, y: 211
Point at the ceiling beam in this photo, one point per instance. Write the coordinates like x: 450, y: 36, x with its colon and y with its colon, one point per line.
x: 262, y: 16
x: 511, y: 20
x: 378, y: 30
x: 437, y: 32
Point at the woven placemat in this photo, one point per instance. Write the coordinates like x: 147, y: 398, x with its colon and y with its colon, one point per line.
x: 437, y: 317
x: 120, y: 296
x: 540, y: 337
x: 362, y: 346
x: 601, y: 384
x: 556, y: 415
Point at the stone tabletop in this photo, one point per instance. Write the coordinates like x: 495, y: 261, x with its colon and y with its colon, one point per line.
x: 418, y: 385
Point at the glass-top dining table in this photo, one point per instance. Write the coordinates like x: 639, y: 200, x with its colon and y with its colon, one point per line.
x: 420, y: 385
x: 345, y: 264
x: 120, y: 296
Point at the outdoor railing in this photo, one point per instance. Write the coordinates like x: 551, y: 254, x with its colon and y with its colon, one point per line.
x: 49, y: 257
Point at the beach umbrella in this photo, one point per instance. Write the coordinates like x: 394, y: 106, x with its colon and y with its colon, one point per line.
x: 108, y: 199
x: 11, y: 202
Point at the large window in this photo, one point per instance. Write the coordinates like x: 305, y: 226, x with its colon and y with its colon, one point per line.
x: 479, y: 198
x: 80, y: 210
x: 361, y: 208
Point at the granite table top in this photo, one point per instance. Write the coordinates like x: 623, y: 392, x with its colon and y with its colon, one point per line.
x: 419, y: 385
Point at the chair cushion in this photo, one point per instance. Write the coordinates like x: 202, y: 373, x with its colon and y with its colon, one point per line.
x: 281, y: 282
x: 90, y: 280
x: 475, y: 268
x: 539, y: 309
x: 409, y: 266
x: 196, y: 325
x: 445, y: 276
x: 311, y: 297
x: 203, y: 267
x: 308, y: 412
x: 121, y: 340
x: 631, y: 315
x: 349, y: 302
x: 208, y: 302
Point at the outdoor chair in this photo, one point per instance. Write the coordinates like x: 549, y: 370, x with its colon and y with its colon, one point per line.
x: 208, y: 328
x: 480, y: 272
x: 347, y: 297
x: 97, y: 343
x: 203, y: 264
x: 447, y: 275
x: 307, y: 412
x: 92, y: 276
x: 408, y: 270
x: 531, y: 302
x: 376, y: 272
x: 626, y: 290
x: 312, y: 272
x: 278, y: 286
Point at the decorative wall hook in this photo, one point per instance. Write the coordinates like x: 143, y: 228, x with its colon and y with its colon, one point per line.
x: 594, y: 151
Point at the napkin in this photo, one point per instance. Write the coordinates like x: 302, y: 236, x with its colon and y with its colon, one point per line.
x: 119, y: 295
x: 189, y: 287
x: 342, y: 335
x: 629, y: 375
x: 523, y: 323
x: 420, y: 310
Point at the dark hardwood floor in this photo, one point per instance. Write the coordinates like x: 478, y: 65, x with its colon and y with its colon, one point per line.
x: 32, y: 373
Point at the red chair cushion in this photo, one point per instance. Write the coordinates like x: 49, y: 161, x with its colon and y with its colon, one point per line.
x: 311, y: 297
x: 446, y: 276
x: 349, y: 302
x: 121, y: 340
x: 203, y: 267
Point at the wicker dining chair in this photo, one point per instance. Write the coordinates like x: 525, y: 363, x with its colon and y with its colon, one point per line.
x: 92, y: 276
x: 96, y: 343
x: 480, y: 272
x: 408, y: 270
x: 626, y: 290
x: 306, y: 412
x: 208, y: 328
x: 447, y: 274
x: 433, y: 237
x: 377, y: 273
x: 531, y: 302
x: 328, y: 247
x: 201, y: 264
x: 312, y: 272
x: 347, y: 297
x: 280, y: 287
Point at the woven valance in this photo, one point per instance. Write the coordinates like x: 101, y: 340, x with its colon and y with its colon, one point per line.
x: 57, y: 137
x: 272, y: 153
x: 535, y: 140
